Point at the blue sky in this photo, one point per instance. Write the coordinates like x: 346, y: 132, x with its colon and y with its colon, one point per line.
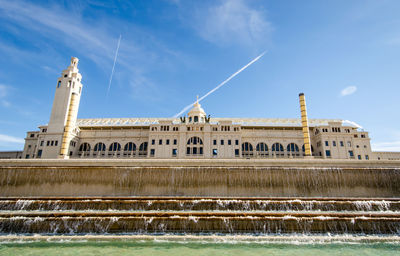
x: 344, y: 55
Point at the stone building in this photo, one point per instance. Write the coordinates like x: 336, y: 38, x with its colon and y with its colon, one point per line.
x: 193, y: 136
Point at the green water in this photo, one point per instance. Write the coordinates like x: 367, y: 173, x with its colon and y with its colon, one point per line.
x: 194, y: 247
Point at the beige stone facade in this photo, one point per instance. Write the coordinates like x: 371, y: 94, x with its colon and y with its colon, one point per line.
x: 195, y: 136
x: 10, y: 154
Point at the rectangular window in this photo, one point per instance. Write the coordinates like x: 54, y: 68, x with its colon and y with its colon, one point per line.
x: 341, y: 144
x: 201, y: 151
x: 175, y: 141
x: 58, y: 84
x: 187, y: 151
x: 153, y: 142
x: 229, y: 142
x: 52, y: 143
x: 152, y: 152
x: 359, y: 157
x: 366, y: 157
x: 237, y: 152
x: 222, y: 142
x: 326, y: 143
x: 349, y: 143
x: 160, y: 142
x: 214, y: 142
x: 328, y: 153
x: 39, y: 153
x: 215, y: 152
x: 194, y: 151
x: 334, y: 143
x: 56, y: 143
x: 351, y: 154
x: 174, y: 152
x: 167, y: 142
x: 48, y: 143
x: 27, y: 156
x: 41, y: 143
x: 236, y: 142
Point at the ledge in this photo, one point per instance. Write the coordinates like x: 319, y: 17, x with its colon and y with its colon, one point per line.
x: 306, y: 163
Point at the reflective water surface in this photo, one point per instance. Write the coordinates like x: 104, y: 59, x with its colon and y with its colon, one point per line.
x: 196, y: 245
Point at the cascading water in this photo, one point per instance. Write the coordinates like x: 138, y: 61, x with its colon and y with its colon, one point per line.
x: 201, y: 200
x: 199, y: 181
x: 207, y: 215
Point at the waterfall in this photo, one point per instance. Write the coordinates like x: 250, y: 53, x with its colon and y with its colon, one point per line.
x: 205, y: 216
x: 199, y: 200
x: 199, y: 182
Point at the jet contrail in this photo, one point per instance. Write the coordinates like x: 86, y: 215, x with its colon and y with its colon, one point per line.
x: 221, y: 84
x: 115, y: 60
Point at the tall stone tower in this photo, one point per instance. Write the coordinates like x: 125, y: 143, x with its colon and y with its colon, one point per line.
x: 64, y: 113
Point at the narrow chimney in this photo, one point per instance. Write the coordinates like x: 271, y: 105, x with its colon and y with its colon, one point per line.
x: 304, y: 124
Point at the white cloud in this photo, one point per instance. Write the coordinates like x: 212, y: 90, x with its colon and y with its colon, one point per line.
x: 74, y: 32
x: 348, y: 90
x: 232, y: 21
x: 386, y: 146
x: 10, y: 139
x: 3, y: 91
x: 3, y: 95
x: 139, y: 54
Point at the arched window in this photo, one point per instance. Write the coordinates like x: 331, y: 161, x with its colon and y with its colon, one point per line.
x: 84, y: 147
x: 115, y: 147
x: 262, y: 149
x: 194, y: 146
x: 293, y: 149
x: 130, y: 146
x: 194, y: 141
x: 100, y: 147
x: 277, y: 149
x: 129, y: 149
x: 247, y: 149
x: 143, y: 149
